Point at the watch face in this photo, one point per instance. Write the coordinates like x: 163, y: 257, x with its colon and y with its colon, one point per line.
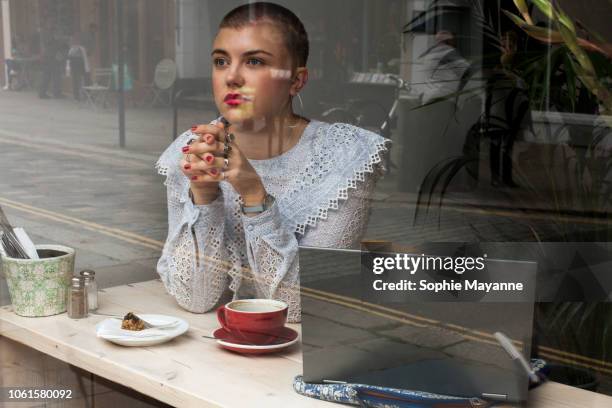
x: 254, y: 209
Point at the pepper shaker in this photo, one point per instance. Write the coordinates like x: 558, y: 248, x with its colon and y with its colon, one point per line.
x: 91, y: 287
x: 77, y: 302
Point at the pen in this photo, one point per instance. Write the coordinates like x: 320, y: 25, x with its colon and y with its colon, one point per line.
x: 514, y: 354
x: 333, y: 382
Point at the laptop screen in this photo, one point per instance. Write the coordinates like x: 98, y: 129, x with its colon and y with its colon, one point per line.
x: 442, y: 347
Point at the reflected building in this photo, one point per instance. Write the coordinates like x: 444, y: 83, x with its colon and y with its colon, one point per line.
x: 149, y: 30
x: 368, y: 39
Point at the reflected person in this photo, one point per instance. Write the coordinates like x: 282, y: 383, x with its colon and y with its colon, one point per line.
x: 245, y: 191
x: 77, y: 65
x: 444, y: 67
x: 52, y: 61
x: 12, y: 68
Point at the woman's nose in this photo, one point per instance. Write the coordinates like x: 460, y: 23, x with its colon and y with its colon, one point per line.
x: 234, y: 77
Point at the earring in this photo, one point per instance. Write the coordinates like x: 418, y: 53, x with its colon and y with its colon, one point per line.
x: 301, y: 111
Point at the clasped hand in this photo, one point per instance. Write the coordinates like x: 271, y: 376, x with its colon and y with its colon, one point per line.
x: 205, y: 166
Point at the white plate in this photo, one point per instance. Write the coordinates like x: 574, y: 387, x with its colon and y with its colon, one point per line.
x: 131, y: 339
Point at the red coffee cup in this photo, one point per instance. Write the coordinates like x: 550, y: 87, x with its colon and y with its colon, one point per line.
x: 254, y: 321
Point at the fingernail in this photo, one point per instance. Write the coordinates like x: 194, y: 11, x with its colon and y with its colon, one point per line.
x: 185, y: 149
x: 209, y: 158
x: 214, y: 172
x: 187, y: 166
x: 194, y: 177
x: 193, y: 128
x: 209, y: 139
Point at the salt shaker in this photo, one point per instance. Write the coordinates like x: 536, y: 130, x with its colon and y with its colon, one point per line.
x: 77, y: 302
x: 92, y: 289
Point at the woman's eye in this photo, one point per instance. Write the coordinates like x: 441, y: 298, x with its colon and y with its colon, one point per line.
x: 220, y: 62
x: 254, y: 61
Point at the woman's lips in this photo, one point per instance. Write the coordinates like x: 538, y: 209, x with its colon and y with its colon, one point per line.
x: 233, y: 102
x: 232, y: 98
x: 235, y: 99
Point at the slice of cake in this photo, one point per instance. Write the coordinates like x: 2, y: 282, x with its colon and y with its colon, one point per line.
x: 132, y: 322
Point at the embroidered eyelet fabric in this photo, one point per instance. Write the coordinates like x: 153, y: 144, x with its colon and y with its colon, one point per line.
x: 322, y: 187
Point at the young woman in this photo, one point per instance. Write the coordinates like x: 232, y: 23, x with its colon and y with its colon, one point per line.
x: 77, y: 65
x: 246, y: 190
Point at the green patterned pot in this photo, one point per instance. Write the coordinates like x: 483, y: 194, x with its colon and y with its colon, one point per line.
x: 38, y: 287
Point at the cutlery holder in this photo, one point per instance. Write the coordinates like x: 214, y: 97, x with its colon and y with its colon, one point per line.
x: 38, y: 287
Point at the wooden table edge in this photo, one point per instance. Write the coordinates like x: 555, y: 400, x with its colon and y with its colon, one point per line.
x: 96, y: 364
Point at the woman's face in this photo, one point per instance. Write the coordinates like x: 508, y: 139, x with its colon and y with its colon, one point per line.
x: 251, y: 72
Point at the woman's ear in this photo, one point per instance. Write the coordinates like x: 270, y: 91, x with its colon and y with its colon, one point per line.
x: 299, y: 80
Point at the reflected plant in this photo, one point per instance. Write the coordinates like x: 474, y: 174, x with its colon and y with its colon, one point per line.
x: 582, y: 328
x: 572, y: 52
x: 569, y: 75
x: 579, y: 69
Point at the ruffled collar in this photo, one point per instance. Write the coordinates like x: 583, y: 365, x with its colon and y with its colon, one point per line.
x: 318, y: 172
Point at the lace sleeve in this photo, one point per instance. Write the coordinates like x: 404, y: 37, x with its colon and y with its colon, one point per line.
x: 272, y: 248
x: 191, y: 265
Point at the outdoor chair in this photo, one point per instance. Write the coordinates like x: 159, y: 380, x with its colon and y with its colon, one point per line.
x: 160, y: 90
x: 97, y: 94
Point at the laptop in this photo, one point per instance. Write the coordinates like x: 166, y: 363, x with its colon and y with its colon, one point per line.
x: 443, y: 347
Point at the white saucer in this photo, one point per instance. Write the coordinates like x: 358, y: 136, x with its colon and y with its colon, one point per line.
x: 110, y: 329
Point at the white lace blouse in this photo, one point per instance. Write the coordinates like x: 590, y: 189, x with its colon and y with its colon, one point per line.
x: 322, y: 187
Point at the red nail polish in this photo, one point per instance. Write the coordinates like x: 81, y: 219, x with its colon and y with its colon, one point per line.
x: 193, y: 128
x: 194, y: 177
x: 214, y: 172
x: 185, y: 149
x: 187, y: 166
x: 209, y: 158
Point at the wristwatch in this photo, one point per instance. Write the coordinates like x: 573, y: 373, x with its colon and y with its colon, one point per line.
x: 259, y: 208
